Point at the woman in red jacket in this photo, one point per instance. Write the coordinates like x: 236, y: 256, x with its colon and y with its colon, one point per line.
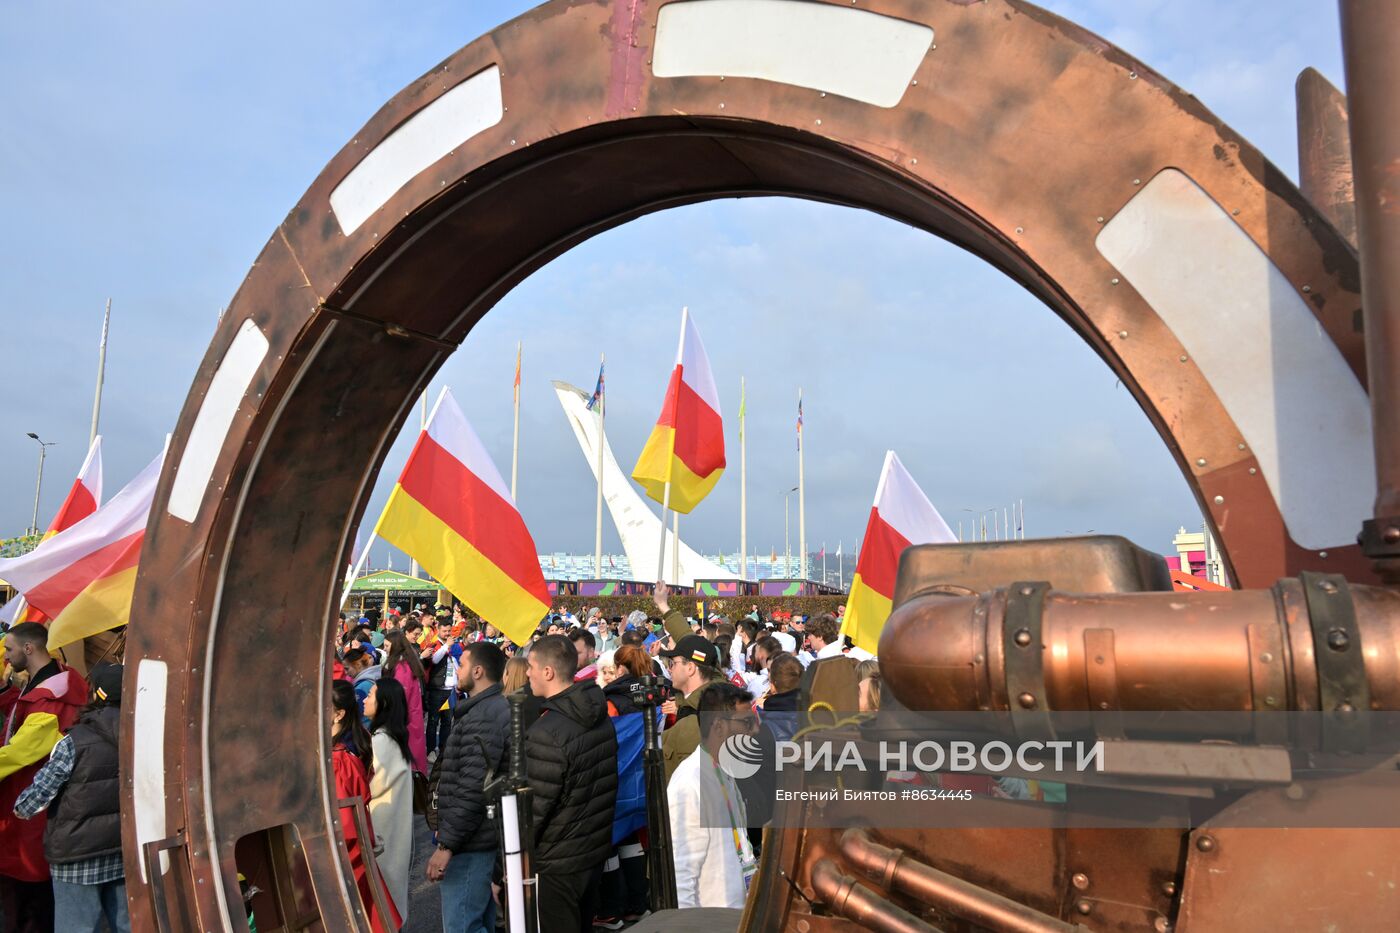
x: 351, y: 757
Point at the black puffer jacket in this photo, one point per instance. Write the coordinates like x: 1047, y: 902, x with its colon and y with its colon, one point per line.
x: 619, y: 694
x: 482, y: 721
x: 571, y: 758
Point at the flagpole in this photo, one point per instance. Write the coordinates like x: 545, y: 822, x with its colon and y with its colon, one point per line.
x: 676, y: 548
x: 515, y: 443
x: 743, y: 489
x: 801, y: 497
x: 840, y: 567
x: 101, y: 373
x: 661, y: 555
x: 422, y: 426
x: 602, y: 442
x: 1022, y: 522
x: 823, y: 563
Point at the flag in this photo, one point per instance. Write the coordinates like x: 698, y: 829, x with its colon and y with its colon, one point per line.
x: 821, y: 555
x: 799, y: 420
x: 517, y: 373
x: 686, y: 448
x: 611, y: 562
x: 83, y: 499
x: 773, y: 558
x: 597, y: 390
x: 82, y: 578
x: 901, y: 516
x: 838, y: 548
x: 452, y: 512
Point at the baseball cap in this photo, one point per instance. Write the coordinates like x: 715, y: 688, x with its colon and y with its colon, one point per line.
x: 695, y: 648
x: 106, y: 681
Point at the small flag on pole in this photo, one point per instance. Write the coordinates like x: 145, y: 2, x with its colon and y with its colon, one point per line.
x: 686, y: 448
x: 517, y: 373
x: 901, y: 517
x: 452, y: 512
x: 597, y: 391
x: 799, y: 421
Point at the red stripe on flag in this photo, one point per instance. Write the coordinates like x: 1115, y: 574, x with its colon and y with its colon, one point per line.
x: 879, y: 555
x: 51, y: 596
x: 699, y: 428
x: 78, y: 506
x: 444, y: 486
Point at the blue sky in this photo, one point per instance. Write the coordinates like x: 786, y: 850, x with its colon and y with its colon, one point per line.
x: 150, y: 148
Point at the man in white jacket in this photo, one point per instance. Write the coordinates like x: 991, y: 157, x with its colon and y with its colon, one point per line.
x: 709, y: 838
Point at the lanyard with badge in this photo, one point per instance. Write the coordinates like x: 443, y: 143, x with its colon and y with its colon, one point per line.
x: 748, y: 865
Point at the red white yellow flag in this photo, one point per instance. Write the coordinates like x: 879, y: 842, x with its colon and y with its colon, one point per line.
x: 83, y: 577
x: 686, y: 448
x: 82, y: 500
x: 452, y: 512
x: 901, y: 516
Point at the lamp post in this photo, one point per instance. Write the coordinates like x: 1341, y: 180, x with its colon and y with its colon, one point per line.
x: 980, y: 515
x: 39, y: 484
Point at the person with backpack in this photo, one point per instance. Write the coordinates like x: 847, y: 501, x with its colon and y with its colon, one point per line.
x: 476, y: 748
x: 80, y: 787
x: 623, y: 892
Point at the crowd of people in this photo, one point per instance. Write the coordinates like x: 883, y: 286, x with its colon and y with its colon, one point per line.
x: 421, y: 699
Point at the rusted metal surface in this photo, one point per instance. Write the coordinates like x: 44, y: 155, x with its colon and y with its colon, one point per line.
x: 1324, y: 151
x: 1017, y: 134
x: 1168, y: 651
x: 1370, y: 32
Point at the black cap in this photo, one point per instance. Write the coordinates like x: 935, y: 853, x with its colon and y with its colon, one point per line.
x: 106, y: 682
x: 695, y: 648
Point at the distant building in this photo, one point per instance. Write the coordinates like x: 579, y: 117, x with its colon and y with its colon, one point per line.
x: 1198, y: 555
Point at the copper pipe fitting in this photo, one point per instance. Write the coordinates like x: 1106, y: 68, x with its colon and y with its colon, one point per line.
x: 847, y: 898
x: 892, y: 868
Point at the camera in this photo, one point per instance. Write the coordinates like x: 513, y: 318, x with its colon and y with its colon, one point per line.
x: 651, y: 691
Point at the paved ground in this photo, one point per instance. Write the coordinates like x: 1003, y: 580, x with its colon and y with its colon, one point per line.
x: 424, y: 907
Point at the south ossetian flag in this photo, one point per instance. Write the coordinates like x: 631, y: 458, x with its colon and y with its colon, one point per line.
x: 83, y: 577
x: 686, y: 448
x: 901, y: 516
x: 82, y: 500
x: 452, y: 512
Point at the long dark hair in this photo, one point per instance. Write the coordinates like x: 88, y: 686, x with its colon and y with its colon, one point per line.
x: 391, y: 713
x: 352, y: 732
x: 401, y: 651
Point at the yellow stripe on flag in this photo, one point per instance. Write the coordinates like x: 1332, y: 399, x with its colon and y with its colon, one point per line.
x: 459, y: 567
x: 102, y: 606
x: 866, y: 612
x: 658, y: 463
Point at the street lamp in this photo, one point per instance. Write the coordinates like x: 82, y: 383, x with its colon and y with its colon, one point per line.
x: 787, y: 547
x: 980, y: 513
x: 39, y: 484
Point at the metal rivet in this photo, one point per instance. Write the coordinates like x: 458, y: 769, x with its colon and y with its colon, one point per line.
x: 1161, y: 925
x: 1123, y: 334
x: 932, y: 47
x: 721, y: 77
x: 1345, y: 708
x: 1080, y: 880
x: 512, y: 142
x: 1020, y: 229
x: 1328, y: 587
x: 1169, y: 888
x: 1235, y: 212
x: 819, y: 123
x: 1240, y: 446
x: 1023, y: 637
x: 1205, y: 844
x: 1200, y: 461
x: 1322, y: 554
x: 721, y: 105
x: 1027, y: 590
x: 1026, y: 700
x: 1181, y: 359
x: 913, y: 161
x: 823, y: 93
x: 1338, y: 640
x: 1098, y: 219
x: 915, y: 82
x: 1307, y: 289
x: 1132, y: 75
x: 1253, y: 470
x: 1137, y: 181
x: 1103, y: 704
x: 1266, y: 657
x: 1219, y: 500
x: 1294, y: 791
x: 1270, y: 701
x: 442, y: 184
x: 1083, y: 906
x: 1113, y: 281
x: 1391, y: 535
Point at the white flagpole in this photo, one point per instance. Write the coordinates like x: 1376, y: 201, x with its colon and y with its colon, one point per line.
x: 1023, y: 519
x: 602, y: 442
x: 801, y: 501
x: 676, y: 548
x: 823, y: 562
x: 422, y: 426
x: 661, y: 555
x: 743, y: 490
x: 515, y: 443
x: 101, y: 372
x: 840, y: 567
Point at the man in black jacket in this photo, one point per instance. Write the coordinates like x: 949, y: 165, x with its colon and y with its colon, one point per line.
x: 466, y: 851
x: 571, y: 758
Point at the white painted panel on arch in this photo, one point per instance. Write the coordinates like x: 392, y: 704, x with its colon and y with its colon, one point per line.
x: 841, y: 50
x: 1301, y: 409
x: 148, y: 758
x: 431, y: 133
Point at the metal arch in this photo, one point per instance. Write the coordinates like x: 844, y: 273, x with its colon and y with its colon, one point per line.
x: 1017, y: 132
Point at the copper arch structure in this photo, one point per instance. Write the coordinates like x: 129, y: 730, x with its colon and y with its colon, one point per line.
x: 1013, y: 133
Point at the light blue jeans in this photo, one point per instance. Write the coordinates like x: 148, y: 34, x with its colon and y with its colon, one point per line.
x: 467, y: 906
x: 80, y: 907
